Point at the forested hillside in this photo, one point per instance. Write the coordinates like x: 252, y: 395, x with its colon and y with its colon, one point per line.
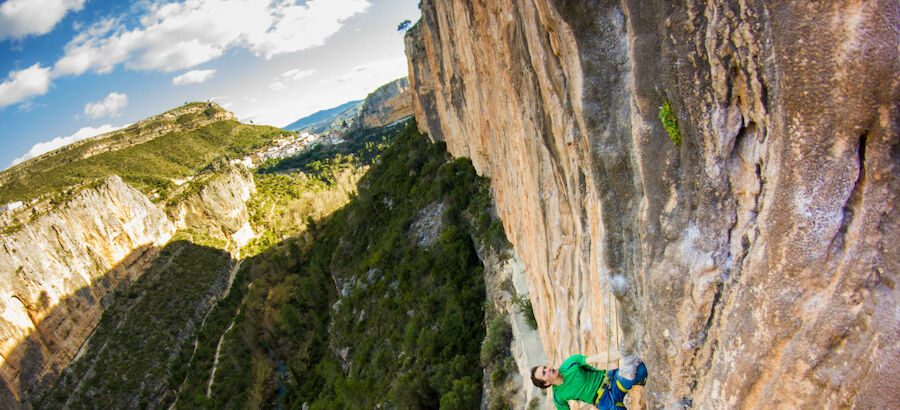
x: 370, y: 310
x: 147, y: 155
x: 380, y: 302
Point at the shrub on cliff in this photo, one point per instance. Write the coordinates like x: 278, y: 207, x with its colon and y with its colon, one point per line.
x: 670, y: 124
x: 496, y: 344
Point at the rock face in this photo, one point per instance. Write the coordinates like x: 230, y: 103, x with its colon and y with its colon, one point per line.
x: 219, y: 207
x: 57, y: 271
x: 504, y: 280
x: 755, y: 255
x: 389, y: 103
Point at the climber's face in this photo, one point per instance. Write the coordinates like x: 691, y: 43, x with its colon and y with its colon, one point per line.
x: 548, y: 375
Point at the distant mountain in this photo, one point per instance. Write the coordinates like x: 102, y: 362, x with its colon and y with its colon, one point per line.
x: 388, y: 104
x: 326, y: 120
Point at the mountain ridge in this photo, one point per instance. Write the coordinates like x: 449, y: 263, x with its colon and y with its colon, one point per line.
x: 314, y: 122
x: 140, y: 154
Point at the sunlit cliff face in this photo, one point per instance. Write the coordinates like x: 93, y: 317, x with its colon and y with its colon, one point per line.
x: 76, y: 254
x: 68, y: 260
x: 756, y: 250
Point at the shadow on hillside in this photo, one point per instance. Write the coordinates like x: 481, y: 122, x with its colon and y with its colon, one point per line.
x: 33, y: 366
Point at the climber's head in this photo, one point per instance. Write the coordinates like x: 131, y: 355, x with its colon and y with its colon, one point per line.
x: 543, y: 376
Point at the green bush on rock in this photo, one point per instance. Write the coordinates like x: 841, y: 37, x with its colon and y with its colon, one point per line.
x: 667, y: 116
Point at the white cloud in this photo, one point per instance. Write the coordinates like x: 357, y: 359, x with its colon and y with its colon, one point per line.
x: 296, y: 74
x: 21, y: 18
x: 24, y: 84
x: 179, y: 35
x: 283, y: 108
x: 193, y: 77
x: 58, y: 142
x: 109, y: 107
x: 289, y: 76
x: 380, y: 70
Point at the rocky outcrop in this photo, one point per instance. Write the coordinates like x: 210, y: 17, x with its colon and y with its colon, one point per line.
x: 754, y: 255
x: 56, y: 275
x: 389, y: 103
x: 59, y: 271
x: 504, y: 279
x: 219, y: 207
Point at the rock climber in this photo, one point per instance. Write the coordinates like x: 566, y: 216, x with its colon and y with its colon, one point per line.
x: 577, y: 380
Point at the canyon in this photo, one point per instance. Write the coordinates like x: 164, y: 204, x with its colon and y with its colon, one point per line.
x: 70, y: 254
x: 63, y: 269
x: 749, y: 261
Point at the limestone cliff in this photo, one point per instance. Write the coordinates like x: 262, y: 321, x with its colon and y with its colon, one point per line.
x: 504, y: 279
x: 219, y: 207
x: 57, y: 272
x: 389, y: 103
x: 754, y: 255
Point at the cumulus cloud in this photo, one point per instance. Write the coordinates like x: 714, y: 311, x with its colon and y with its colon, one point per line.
x: 179, y: 35
x: 21, y: 18
x: 24, y: 84
x: 109, y: 107
x: 289, y: 76
x: 193, y: 77
x: 58, y: 142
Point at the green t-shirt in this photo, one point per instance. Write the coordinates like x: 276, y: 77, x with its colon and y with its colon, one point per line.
x: 580, y: 382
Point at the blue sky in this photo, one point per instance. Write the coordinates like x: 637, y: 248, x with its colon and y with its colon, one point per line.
x: 71, y: 69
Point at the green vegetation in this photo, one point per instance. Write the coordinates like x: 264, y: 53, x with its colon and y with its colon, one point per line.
x: 146, y: 331
x: 312, y: 184
x: 523, y: 306
x: 352, y: 311
x: 496, y: 357
x: 360, y: 147
x: 667, y: 116
x: 496, y: 345
x: 356, y: 314
x: 149, y: 166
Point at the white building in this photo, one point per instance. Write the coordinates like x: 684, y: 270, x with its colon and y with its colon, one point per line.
x: 12, y: 206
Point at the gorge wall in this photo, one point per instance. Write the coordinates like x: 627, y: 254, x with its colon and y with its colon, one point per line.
x: 219, y: 208
x: 59, y: 272
x: 754, y: 255
x: 389, y: 103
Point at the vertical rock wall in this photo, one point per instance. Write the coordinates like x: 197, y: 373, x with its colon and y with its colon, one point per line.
x: 220, y: 207
x: 56, y: 273
x: 389, y: 103
x: 755, y: 255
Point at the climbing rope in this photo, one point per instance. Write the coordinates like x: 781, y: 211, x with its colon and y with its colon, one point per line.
x: 616, y: 315
x: 608, y: 319
x: 612, y: 311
